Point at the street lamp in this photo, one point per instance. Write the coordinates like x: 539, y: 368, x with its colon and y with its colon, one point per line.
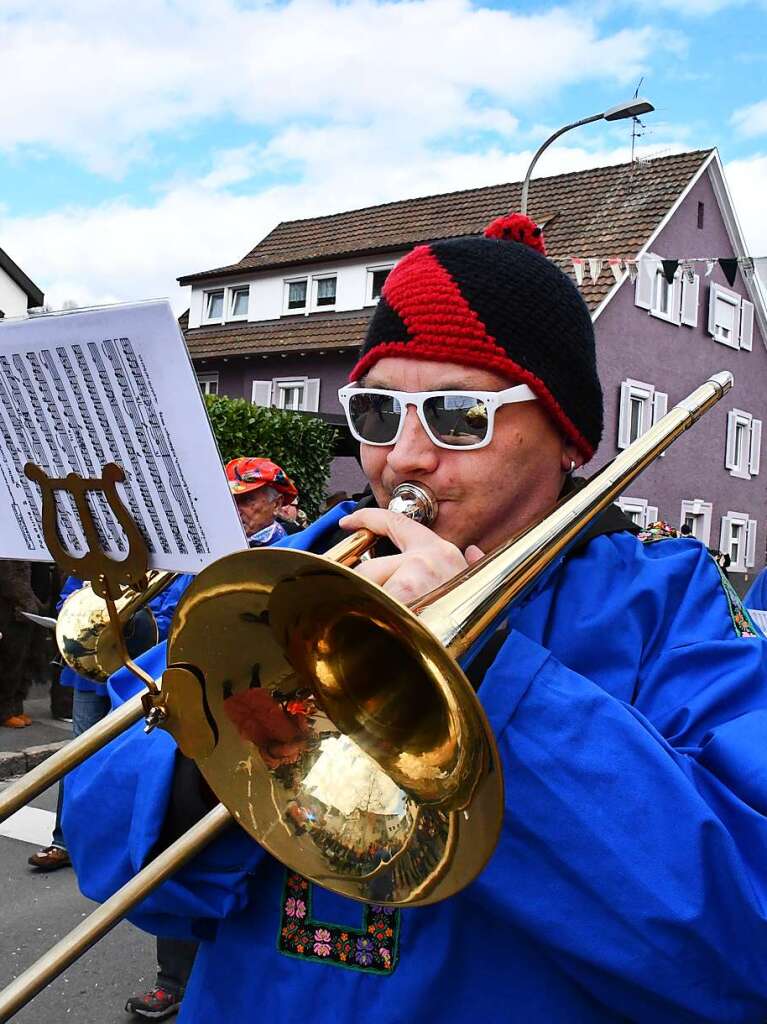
x: 633, y: 108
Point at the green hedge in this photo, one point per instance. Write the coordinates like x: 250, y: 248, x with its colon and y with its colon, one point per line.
x: 300, y: 444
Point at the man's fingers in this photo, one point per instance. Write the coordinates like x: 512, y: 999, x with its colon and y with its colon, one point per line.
x: 404, y: 533
x: 379, y: 570
x: 473, y: 554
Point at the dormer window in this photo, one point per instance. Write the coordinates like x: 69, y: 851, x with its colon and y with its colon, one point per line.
x: 326, y: 291
x: 295, y: 296
x: 214, y: 305
x: 239, y: 302
x: 376, y: 278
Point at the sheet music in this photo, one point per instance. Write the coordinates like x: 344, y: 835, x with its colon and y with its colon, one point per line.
x: 80, y: 389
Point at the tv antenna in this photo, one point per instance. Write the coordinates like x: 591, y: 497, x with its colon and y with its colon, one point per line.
x: 637, y: 126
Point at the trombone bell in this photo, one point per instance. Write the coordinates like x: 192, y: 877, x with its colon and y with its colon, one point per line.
x: 371, y: 784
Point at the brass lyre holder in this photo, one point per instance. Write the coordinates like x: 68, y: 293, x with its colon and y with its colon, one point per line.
x: 108, y: 576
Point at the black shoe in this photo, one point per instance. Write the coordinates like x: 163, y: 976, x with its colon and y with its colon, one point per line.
x: 157, y: 1004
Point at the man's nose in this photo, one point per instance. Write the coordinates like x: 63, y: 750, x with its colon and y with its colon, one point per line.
x: 414, y: 451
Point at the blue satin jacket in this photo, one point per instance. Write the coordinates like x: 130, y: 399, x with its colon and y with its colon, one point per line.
x: 629, y: 702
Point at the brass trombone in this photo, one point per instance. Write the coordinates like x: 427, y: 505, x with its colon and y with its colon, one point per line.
x: 333, y: 636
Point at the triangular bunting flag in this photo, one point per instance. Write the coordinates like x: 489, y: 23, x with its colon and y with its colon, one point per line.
x: 595, y: 269
x: 670, y: 268
x: 615, y: 267
x: 632, y: 268
x: 578, y: 268
x: 746, y: 265
x: 688, y: 271
x: 710, y: 264
x: 729, y: 269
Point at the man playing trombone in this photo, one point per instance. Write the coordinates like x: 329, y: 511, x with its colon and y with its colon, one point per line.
x: 626, y: 691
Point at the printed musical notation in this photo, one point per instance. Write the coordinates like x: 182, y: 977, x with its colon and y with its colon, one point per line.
x: 74, y: 396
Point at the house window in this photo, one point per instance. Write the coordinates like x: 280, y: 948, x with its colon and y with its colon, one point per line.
x: 240, y: 298
x: 208, y: 383
x: 697, y: 515
x: 214, y: 305
x: 737, y: 538
x: 744, y: 444
x: 300, y: 394
x: 325, y: 294
x: 640, y: 407
x: 730, y: 318
x: 375, y: 282
x: 664, y: 294
x: 638, y: 511
x: 295, y: 296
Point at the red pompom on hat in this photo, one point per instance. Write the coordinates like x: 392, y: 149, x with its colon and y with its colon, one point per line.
x: 516, y: 227
x: 496, y: 303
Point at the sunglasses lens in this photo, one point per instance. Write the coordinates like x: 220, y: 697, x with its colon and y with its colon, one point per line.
x: 457, y: 420
x: 375, y: 418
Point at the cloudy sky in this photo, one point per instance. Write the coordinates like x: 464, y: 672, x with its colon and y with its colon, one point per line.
x: 147, y: 140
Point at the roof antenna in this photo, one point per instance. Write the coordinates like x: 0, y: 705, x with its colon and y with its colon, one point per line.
x: 637, y: 126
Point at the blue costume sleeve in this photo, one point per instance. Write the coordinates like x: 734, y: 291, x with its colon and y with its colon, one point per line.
x: 164, y: 605
x: 757, y: 594
x: 635, y: 833
x: 71, y: 584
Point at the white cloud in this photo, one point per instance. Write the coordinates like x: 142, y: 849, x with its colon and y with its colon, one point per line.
x: 747, y: 180
x: 98, y: 81
x: 752, y: 120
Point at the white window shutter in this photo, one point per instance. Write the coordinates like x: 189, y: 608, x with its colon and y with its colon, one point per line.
x: 648, y: 268
x: 746, y: 324
x: 712, y: 293
x: 729, y: 453
x: 751, y: 544
x: 261, y: 392
x: 312, y: 395
x: 651, y: 515
x: 676, y: 297
x: 755, y: 449
x: 624, y: 416
x: 690, y: 293
x: 659, y: 405
x: 725, y: 535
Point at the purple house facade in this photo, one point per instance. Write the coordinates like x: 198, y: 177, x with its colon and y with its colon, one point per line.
x: 282, y: 326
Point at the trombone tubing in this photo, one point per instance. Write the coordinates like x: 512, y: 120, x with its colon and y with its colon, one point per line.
x: 74, y: 753
x: 105, y: 917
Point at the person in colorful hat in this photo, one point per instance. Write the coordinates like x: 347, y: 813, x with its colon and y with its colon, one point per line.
x: 627, y: 693
x: 260, y: 489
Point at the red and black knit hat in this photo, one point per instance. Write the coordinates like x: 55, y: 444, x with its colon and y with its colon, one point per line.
x: 496, y: 303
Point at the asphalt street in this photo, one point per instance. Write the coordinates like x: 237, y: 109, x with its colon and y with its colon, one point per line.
x: 38, y: 909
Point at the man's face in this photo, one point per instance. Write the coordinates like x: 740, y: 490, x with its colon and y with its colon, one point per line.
x: 484, y: 495
x: 257, y: 509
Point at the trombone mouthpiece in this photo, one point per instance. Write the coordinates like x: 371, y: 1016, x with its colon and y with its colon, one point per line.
x: 414, y: 501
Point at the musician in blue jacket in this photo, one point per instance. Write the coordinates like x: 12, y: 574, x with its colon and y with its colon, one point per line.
x: 627, y: 696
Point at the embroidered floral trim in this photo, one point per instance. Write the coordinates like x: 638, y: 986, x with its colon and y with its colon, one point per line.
x: 741, y: 620
x: 373, y: 948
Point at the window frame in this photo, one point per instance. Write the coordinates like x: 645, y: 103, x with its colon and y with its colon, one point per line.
x: 325, y: 306
x: 281, y: 385
x: 232, y: 290
x: 206, y: 379
x: 370, y: 299
x: 746, y: 464
x: 654, y: 401
x: 748, y: 545
x: 638, y: 506
x: 287, y: 282
x: 731, y: 298
x: 701, y: 511
x: 206, y: 294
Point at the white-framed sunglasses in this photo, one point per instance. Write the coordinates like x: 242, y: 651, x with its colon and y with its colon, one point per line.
x: 452, y: 419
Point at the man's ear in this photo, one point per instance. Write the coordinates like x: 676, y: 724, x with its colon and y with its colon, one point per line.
x: 570, y: 455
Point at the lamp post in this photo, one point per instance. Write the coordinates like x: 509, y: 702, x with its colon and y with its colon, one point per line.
x: 633, y: 108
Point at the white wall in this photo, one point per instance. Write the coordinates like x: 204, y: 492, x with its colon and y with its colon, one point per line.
x: 13, y: 300
x: 267, y: 290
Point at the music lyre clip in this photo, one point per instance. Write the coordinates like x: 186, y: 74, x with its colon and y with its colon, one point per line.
x: 107, y: 576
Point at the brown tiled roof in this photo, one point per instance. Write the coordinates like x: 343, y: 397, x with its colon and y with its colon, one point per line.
x: 290, y: 334
x: 603, y: 212
x: 616, y: 206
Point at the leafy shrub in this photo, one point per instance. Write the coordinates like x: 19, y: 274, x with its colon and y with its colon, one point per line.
x: 302, y: 445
